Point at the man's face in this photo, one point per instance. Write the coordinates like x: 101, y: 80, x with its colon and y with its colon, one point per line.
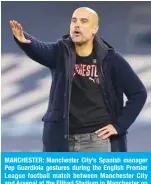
x: 82, y: 27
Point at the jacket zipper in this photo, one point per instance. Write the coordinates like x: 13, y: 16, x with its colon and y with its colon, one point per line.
x: 70, y: 86
x: 100, y: 68
x: 106, y: 101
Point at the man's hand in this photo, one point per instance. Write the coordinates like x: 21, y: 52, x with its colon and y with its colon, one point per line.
x: 18, y: 32
x: 106, y: 131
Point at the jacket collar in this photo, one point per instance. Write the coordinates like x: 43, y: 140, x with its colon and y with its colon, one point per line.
x: 100, y: 46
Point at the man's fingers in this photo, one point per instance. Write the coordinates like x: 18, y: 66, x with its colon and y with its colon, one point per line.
x: 20, y: 27
x: 11, y: 24
x: 28, y: 41
x: 106, y: 131
x: 14, y: 24
x: 16, y: 28
x: 106, y: 136
x: 18, y: 31
x: 103, y: 132
x: 13, y: 27
x: 101, y: 129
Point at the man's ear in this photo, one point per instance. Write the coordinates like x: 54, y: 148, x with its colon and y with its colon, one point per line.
x: 95, y: 30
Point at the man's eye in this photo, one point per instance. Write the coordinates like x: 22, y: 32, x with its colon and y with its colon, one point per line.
x: 73, y: 20
x: 84, y: 21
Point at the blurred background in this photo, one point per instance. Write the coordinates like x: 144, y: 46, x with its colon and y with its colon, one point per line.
x: 25, y: 84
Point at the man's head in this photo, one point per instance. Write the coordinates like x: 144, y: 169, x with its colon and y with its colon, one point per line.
x: 84, y: 25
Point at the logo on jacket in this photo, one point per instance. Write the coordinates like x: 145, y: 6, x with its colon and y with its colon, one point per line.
x: 94, y: 61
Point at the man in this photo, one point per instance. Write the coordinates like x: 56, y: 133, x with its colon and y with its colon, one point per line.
x: 89, y: 78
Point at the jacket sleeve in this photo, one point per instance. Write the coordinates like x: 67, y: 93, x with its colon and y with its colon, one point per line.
x: 41, y: 52
x: 135, y: 92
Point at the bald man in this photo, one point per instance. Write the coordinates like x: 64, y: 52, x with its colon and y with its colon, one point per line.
x: 86, y: 111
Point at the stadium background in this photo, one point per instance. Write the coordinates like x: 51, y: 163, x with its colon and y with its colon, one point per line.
x: 25, y: 84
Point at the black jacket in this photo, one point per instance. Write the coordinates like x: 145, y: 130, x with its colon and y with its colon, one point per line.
x: 119, y: 78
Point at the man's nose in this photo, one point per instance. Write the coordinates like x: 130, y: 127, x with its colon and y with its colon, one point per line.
x: 77, y: 26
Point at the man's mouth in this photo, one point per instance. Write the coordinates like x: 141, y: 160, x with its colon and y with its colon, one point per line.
x: 77, y: 33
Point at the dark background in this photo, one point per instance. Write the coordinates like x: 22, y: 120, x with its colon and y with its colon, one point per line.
x: 25, y: 84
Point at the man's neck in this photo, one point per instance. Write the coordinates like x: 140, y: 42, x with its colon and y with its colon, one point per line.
x: 84, y: 49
